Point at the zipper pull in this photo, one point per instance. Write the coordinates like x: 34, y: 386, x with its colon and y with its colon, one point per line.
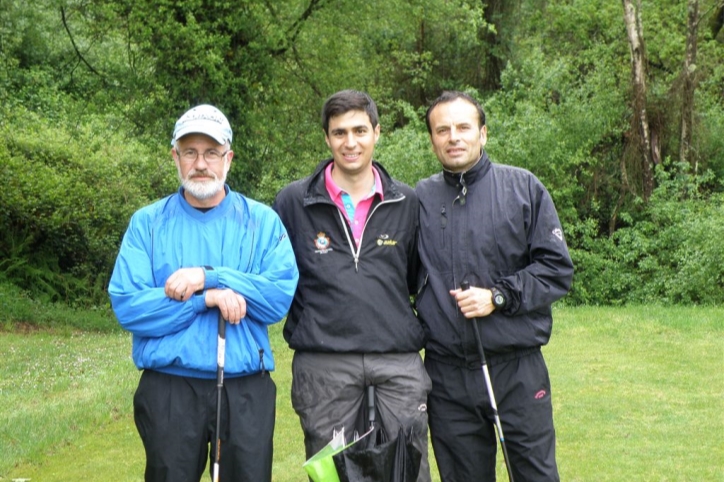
x: 464, y: 190
x: 443, y: 218
x: 356, y: 264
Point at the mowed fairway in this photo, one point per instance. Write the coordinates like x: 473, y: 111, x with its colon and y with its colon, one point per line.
x: 638, y: 396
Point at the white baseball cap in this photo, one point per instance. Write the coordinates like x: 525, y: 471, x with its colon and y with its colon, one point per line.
x: 203, y: 119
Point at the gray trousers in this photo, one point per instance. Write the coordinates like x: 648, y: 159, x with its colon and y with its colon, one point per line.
x: 328, y: 393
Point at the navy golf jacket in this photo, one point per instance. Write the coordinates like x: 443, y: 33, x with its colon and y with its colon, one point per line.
x: 494, y: 225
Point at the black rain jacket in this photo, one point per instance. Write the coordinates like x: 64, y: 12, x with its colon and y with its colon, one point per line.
x: 494, y: 225
x: 350, y: 299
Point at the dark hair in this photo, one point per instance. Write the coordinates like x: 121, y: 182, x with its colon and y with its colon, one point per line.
x: 345, y: 101
x: 449, y: 96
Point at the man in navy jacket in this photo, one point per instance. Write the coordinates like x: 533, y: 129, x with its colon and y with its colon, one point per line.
x: 496, y: 227
x: 354, y: 233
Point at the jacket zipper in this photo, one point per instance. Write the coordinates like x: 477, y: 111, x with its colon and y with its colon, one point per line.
x: 260, y: 350
x: 460, y: 199
x: 443, y: 224
x: 345, y: 224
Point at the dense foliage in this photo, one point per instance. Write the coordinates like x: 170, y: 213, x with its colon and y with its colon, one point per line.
x: 89, y: 92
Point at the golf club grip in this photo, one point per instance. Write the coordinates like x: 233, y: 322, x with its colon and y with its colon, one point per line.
x: 221, y: 350
x: 222, y: 326
x: 481, y: 352
x: 465, y: 285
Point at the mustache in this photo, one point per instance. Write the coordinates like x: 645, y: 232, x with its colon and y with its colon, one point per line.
x: 201, y: 173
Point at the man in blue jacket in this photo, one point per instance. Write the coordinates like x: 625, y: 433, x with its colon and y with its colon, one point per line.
x: 203, y: 251
x: 496, y: 227
x: 351, y: 324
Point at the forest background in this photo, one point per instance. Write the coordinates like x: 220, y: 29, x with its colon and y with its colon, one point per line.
x: 618, y: 107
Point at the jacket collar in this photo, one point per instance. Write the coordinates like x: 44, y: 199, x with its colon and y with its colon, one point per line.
x: 470, y: 176
x: 315, y: 190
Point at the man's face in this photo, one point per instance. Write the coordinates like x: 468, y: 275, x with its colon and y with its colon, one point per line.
x: 457, y: 138
x: 201, y: 179
x: 352, y: 140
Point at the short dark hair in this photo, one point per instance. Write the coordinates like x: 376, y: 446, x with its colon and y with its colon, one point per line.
x: 345, y: 101
x: 449, y: 96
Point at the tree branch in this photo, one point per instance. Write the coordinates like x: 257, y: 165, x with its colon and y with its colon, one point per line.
x: 75, y: 47
x: 296, y: 27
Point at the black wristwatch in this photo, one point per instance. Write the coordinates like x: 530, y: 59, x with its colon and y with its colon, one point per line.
x: 499, y: 300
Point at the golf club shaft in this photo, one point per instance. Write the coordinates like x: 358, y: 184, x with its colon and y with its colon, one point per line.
x: 220, y: 355
x: 489, y: 385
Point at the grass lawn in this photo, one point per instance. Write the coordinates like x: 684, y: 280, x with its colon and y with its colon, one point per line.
x: 638, y: 396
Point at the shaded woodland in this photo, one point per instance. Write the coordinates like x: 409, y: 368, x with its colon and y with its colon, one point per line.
x: 618, y: 107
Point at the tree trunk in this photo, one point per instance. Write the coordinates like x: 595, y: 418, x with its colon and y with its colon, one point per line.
x: 717, y: 22
x: 634, y: 30
x: 687, y: 95
x: 500, y: 14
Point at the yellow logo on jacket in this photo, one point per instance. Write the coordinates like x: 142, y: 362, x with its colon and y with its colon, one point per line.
x: 384, y: 240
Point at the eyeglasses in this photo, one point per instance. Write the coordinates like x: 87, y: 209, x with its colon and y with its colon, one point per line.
x: 211, y: 156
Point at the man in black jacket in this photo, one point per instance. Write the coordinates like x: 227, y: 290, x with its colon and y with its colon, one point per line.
x: 495, y: 227
x: 354, y: 233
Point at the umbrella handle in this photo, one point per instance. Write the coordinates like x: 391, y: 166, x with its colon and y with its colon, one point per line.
x: 371, y: 405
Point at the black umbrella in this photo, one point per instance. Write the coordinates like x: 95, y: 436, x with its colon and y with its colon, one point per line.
x: 375, y: 458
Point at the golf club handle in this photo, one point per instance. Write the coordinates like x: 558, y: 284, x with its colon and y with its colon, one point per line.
x: 222, y: 326
x: 220, y: 350
x: 465, y: 285
x: 481, y: 352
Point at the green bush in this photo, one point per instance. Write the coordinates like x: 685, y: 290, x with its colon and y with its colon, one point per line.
x: 70, y: 192
x: 406, y: 152
x: 671, y: 253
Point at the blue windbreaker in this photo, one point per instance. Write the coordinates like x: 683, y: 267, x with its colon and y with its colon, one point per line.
x: 248, y: 248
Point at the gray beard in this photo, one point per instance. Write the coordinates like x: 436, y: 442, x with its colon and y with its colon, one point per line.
x: 203, y: 190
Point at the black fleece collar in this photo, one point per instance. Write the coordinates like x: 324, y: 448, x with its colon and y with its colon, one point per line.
x: 470, y: 176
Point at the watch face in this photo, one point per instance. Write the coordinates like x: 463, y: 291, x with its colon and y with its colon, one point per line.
x: 499, y: 299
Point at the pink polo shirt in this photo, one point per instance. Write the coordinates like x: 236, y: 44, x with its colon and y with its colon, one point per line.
x: 356, y: 215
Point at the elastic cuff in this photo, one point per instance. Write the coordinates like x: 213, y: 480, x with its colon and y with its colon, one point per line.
x: 198, y: 301
x: 212, y: 278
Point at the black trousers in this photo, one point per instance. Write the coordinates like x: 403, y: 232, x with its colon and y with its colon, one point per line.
x: 462, y: 425
x: 176, y: 419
